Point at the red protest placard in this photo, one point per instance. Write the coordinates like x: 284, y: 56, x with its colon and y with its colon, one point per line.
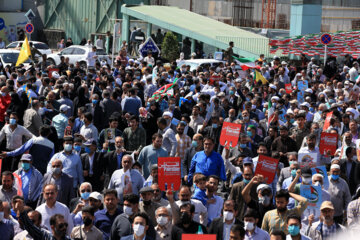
x: 51, y: 70
x: 169, y: 173
x: 266, y: 166
x: 230, y: 133
x: 327, y: 121
x: 328, y: 141
x: 288, y: 88
x: 198, y: 237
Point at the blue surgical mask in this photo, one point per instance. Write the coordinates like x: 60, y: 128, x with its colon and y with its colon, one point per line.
x: 334, y: 177
x: 85, y: 195
x: 77, y: 148
x: 291, y: 162
x: 94, y: 101
x: 194, y: 143
x: 12, y: 121
x: 25, y: 166
x: 311, y: 109
x: 87, y: 150
x: 293, y: 173
x: 249, y: 133
x: 294, y: 230
x: 242, y: 145
x: 214, y: 125
x: 246, y: 181
x: 68, y: 147
x: 231, y: 92
x: 292, y: 120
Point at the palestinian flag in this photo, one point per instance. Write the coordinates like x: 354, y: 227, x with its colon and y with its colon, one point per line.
x: 164, y: 91
x: 271, y: 113
x: 246, y: 63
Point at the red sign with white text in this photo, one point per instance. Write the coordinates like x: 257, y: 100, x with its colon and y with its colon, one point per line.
x: 327, y: 121
x: 198, y: 237
x: 266, y: 166
x: 288, y: 88
x: 230, y: 133
x: 169, y: 173
x: 328, y: 141
x: 51, y: 70
x: 213, y: 79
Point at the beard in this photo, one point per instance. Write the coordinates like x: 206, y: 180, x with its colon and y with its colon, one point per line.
x: 282, y: 210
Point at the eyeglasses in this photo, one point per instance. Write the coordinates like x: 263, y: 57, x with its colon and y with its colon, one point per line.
x: 56, y: 166
x: 63, y: 225
x: 163, y: 215
x: 156, y: 190
x: 85, y: 190
x: 49, y: 193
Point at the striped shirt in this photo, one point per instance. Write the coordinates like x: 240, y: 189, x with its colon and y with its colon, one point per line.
x: 274, y: 221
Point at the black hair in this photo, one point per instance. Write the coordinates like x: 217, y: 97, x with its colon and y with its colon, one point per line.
x: 132, y: 198
x: 279, y: 233
x: 109, y: 192
x: 89, y: 209
x: 293, y: 216
x: 238, y: 228
x: 282, y: 193
x: 192, y: 207
x: 144, y: 216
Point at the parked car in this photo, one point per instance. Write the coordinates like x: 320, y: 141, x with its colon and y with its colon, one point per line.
x: 77, y: 53
x: 42, y: 47
x: 194, y: 63
x: 10, y: 56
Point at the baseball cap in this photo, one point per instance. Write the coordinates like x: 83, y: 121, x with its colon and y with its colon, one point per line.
x: 327, y: 205
x: 97, y: 196
x: 247, y: 160
x: 64, y: 108
x: 26, y: 157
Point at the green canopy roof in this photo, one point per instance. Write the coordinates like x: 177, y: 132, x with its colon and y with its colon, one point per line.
x: 201, y: 28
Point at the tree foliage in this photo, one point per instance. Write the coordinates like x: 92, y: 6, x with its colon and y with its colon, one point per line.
x: 170, y: 47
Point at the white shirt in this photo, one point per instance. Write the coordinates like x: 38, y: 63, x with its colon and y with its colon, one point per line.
x: 99, y: 43
x: 59, y: 208
x: 89, y: 132
x: 353, y: 74
x: 14, y: 138
x: 200, y: 209
x: 90, y: 59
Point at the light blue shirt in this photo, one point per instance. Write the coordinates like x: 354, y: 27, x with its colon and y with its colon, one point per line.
x: 25, y: 179
x: 71, y: 165
x: 148, y: 156
x: 258, y: 234
x: 285, y: 185
x: 214, y: 210
x: 60, y: 122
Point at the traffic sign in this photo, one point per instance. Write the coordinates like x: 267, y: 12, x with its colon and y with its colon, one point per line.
x: 2, y: 23
x: 29, y: 28
x: 149, y: 45
x: 326, y: 39
x: 30, y: 15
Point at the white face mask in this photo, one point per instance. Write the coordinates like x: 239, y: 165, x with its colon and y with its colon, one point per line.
x: 228, y: 215
x: 162, y: 220
x: 306, y: 180
x: 249, y: 226
x: 138, y: 229
x: 1, y: 216
x: 128, y: 210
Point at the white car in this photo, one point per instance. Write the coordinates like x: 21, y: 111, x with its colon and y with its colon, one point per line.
x: 10, y: 56
x: 194, y: 63
x: 77, y: 53
x: 42, y: 47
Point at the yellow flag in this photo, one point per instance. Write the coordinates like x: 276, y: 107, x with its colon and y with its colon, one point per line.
x: 25, y: 52
x: 260, y: 77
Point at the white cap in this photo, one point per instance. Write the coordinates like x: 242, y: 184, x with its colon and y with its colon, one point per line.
x: 335, y: 166
x: 289, y: 111
x: 283, y: 63
x: 167, y: 113
x: 189, y: 95
x: 131, y: 60
x: 97, y: 196
x: 64, y: 108
x: 305, y: 104
x: 346, y: 67
x: 272, y: 86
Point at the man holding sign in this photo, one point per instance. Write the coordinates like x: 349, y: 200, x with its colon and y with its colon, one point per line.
x: 311, y: 148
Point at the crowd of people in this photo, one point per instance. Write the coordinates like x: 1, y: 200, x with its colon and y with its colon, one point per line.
x: 80, y: 149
